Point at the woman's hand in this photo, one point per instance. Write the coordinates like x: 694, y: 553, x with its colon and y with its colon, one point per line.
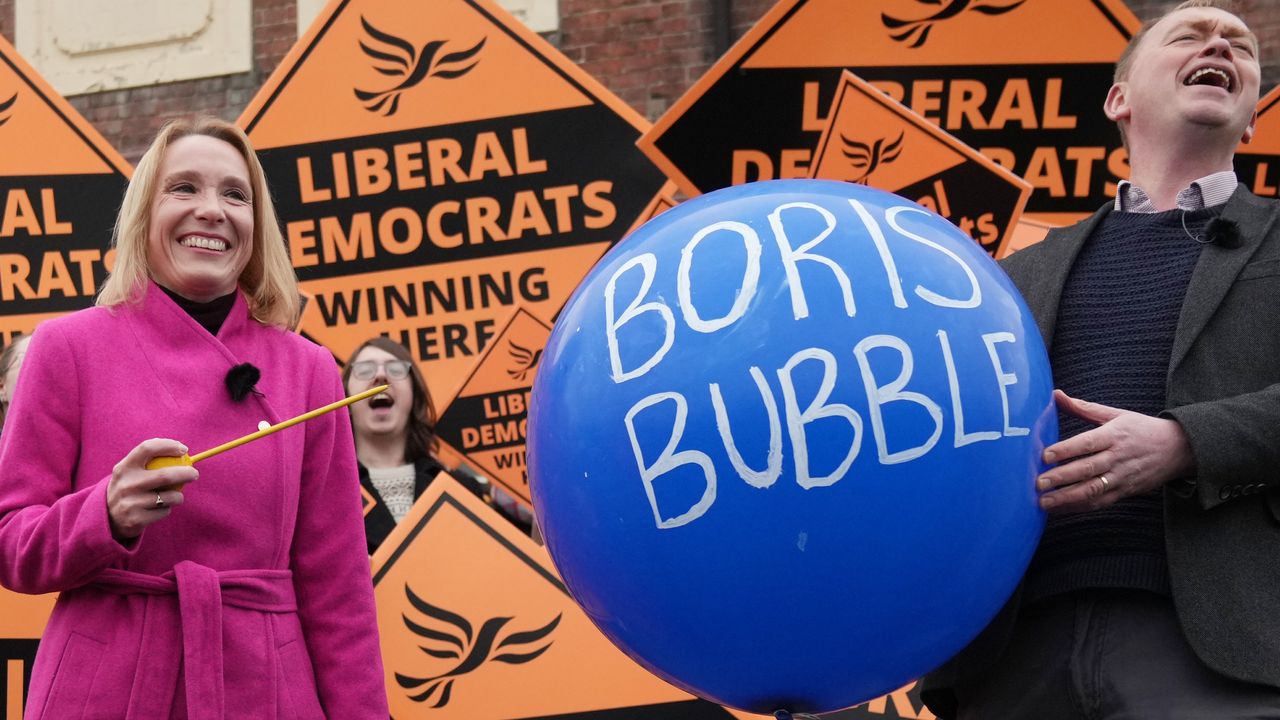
x: 136, y: 496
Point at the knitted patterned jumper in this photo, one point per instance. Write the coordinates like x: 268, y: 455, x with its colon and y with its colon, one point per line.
x: 1114, y: 335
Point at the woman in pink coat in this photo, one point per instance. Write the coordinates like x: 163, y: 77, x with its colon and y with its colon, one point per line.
x: 239, y: 588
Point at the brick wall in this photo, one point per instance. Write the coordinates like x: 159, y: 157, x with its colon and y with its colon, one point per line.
x: 647, y: 51
x: 6, y: 19
x: 129, y: 118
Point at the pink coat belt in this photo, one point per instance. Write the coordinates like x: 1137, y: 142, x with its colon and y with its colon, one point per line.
x: 202, y: 592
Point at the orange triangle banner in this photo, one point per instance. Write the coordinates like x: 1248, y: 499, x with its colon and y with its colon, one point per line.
x: 22, y: 622
x: 475, y: 623
x: 486, y: 421
x: 872, y: 139
x: 437, y: 164
x: 1020, y: 80
x: 663, y: 201
x: 1257, y: 163
x: 60, y: 187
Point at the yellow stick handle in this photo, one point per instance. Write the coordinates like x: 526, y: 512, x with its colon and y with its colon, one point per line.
x: 287, y: 423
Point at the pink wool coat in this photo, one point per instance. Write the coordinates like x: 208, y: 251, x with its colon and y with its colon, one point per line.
x: 253, y: 599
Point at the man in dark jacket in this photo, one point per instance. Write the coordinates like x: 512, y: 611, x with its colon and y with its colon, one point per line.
x: 1156, y: 587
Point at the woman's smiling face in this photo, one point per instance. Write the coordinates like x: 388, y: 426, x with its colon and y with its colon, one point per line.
x: 201, y: 233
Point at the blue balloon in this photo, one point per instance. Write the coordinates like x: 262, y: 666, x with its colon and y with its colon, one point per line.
x: 783, y: 443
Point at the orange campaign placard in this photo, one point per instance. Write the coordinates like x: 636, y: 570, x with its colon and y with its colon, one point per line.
x: 875, y: 140
x: 60, y: 186
x: 22, y: 622
x: 435, y: 165
x: 1257, y: 163
x: 1025, y: 234
x: 1020, y: 80
x: 902, y: 703
x: 486, y: 421
x: 475, y: 624
x: 367, y: 501
x: 662, y: 202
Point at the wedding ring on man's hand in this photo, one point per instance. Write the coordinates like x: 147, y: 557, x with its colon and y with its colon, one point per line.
x: 1106, y: 484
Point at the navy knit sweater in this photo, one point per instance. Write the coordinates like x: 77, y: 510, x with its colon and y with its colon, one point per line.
x: 1111, y: 345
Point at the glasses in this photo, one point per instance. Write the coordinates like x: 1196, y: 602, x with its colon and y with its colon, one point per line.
x: 366, y: 369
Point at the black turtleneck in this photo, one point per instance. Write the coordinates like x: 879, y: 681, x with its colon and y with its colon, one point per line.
x: 210, y: 314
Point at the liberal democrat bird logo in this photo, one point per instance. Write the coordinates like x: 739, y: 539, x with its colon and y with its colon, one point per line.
x: 455, y: 640
x: 915, y: 32
x: 5, y: 107
x: 526, y: 360
x: 400, y: 59
x: 867, y: 158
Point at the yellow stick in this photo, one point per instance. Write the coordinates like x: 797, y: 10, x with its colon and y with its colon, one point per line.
x: 287, y: 423
x: 163, y: 462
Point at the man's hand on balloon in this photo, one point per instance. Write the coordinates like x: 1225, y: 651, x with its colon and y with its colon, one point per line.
x: 1135, y: 453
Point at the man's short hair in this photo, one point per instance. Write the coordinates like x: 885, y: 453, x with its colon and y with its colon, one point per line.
x: 1126, y: 57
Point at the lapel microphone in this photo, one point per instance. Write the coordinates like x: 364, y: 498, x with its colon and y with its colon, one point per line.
x: 240, y: 381
x: 1223, y: 233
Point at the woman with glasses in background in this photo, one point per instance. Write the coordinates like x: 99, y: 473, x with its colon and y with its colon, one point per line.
x: 10, y: 364
x: 394, y: 433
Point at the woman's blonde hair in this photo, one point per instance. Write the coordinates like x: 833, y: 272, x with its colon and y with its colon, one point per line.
x: 268, y: 281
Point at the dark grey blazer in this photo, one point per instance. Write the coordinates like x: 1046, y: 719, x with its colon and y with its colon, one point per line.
x: 1223, y: 387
